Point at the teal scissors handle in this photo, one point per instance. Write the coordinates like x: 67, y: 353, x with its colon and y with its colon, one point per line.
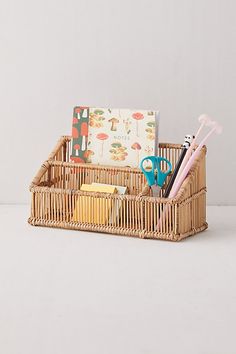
x: 161, y: 175
x: 151, y: 177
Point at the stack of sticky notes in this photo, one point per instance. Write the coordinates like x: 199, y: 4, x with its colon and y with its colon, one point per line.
x: 108, y: 136
x: 97, y: 210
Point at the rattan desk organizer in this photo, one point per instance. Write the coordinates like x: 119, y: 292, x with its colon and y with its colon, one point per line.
x: 55, y: 193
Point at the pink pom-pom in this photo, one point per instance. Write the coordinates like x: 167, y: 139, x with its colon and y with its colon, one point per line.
x: 204, y: 118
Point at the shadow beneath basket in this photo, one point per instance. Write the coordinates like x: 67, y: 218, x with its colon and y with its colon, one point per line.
x: 214, y: 233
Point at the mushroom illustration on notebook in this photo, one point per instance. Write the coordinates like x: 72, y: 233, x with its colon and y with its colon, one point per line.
x: 80, y: 134
x: 119, y: 137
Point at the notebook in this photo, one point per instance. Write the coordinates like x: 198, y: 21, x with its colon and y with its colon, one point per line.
x: 120, y: 137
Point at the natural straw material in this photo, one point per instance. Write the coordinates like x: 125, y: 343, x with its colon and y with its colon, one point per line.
x: 56, y: 195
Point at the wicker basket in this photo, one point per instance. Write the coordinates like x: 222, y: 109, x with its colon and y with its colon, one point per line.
x: 56, y: 198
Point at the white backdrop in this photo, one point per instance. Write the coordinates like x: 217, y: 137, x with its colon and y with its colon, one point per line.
x: 176, y: 56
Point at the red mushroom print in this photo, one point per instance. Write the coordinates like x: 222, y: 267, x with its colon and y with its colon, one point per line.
x: 76, y: 160
x: 77, y: 111
x: 76, y: 148
x: 75, y: 120
x: 84, y: 134
x: 87, y: 155
x: 75, y: 133
x: 102, y: 137
x: 136, y: 147
x: 138, y: 116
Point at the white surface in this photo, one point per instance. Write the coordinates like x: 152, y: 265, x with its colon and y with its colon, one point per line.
x: 75, y: 292
x: 176, y: 56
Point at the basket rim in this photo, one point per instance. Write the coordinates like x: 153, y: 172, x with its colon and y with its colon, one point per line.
x: 179, y: 198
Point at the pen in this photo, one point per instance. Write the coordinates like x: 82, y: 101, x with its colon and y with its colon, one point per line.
x: 187, y: 142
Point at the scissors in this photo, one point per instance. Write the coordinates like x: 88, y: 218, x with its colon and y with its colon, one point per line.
x: 155, y: 177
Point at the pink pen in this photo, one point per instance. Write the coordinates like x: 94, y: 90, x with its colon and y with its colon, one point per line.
x: 205, y: 120
x: 215, y: 128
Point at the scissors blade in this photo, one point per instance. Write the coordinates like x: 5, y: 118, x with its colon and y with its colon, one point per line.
x: 155, y: 190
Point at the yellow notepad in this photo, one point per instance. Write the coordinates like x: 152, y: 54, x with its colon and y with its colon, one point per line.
x: 115, y: 212
x: 102, y: 188
x: 94, y: 209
